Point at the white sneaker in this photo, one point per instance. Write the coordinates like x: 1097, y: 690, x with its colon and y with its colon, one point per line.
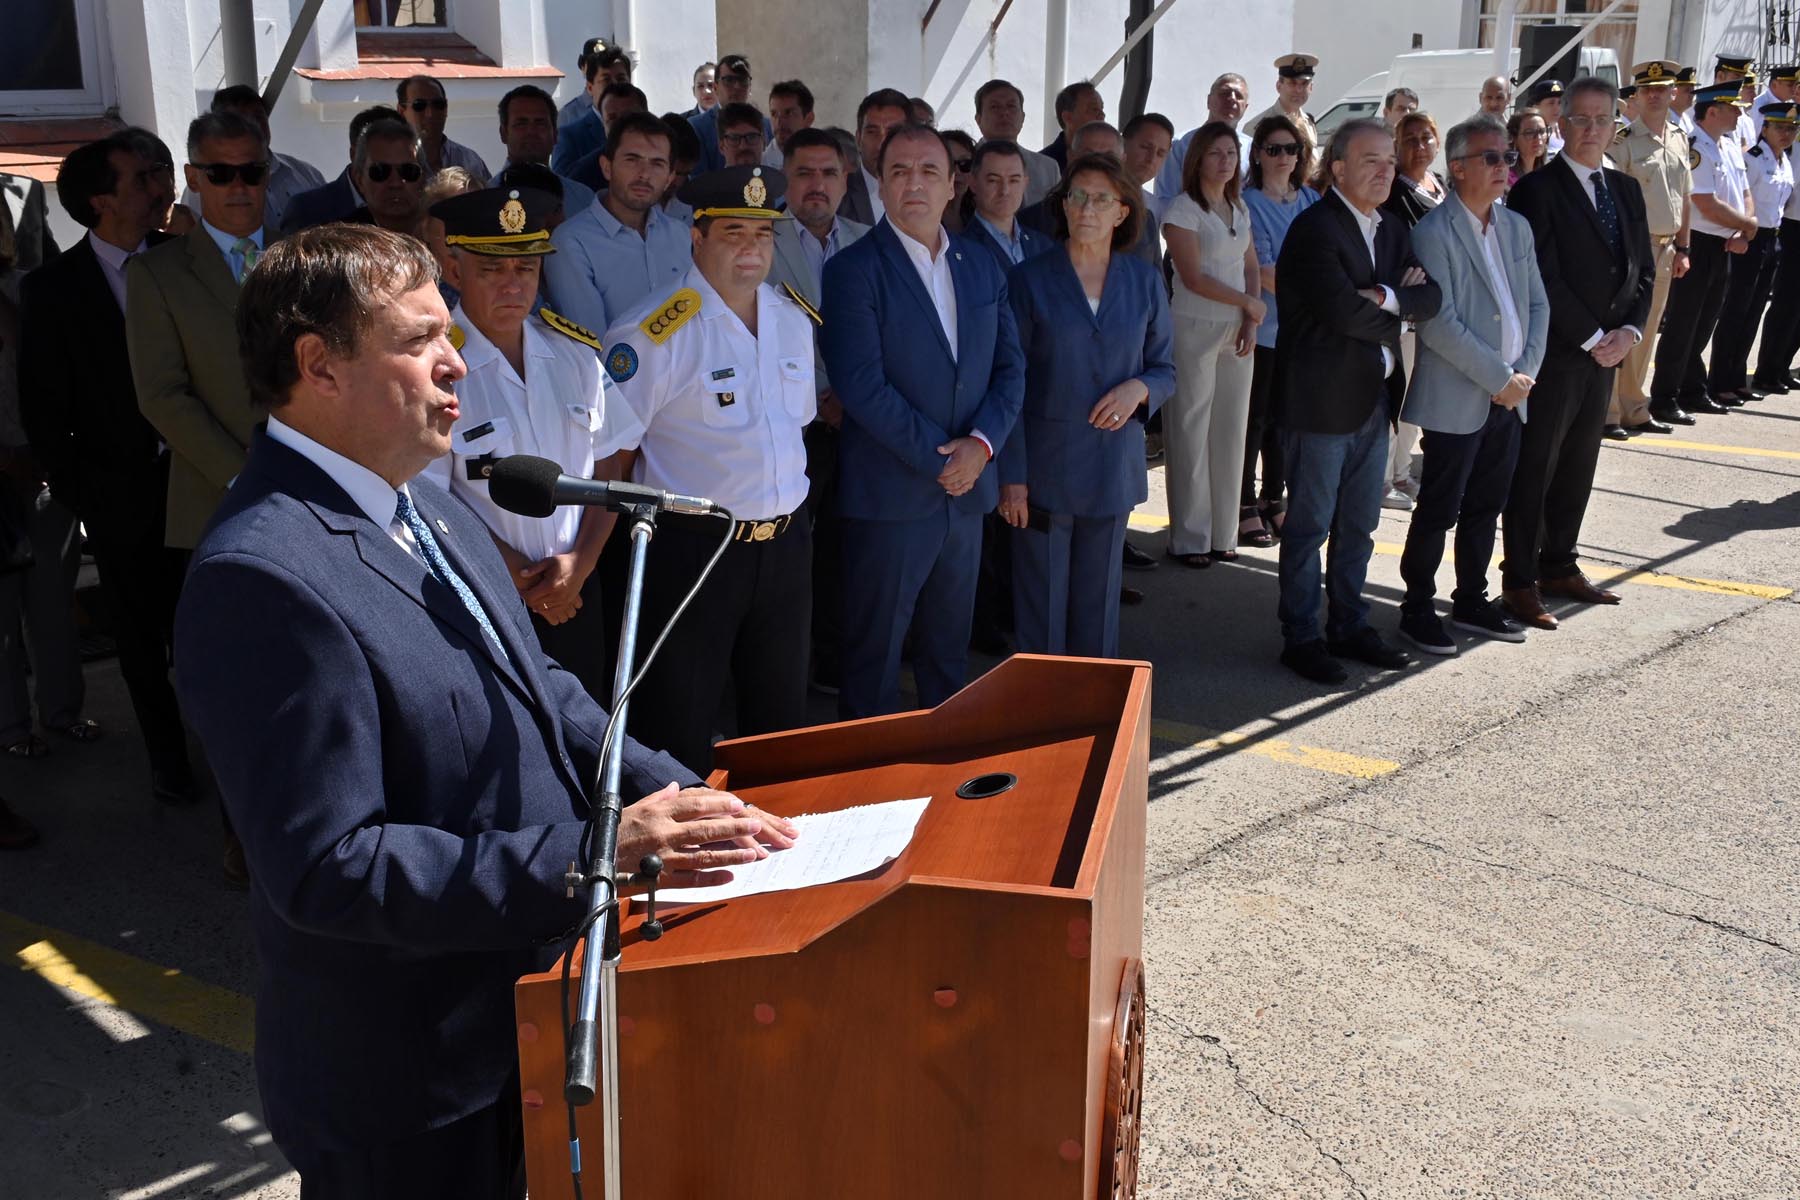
x: 1397, y: 499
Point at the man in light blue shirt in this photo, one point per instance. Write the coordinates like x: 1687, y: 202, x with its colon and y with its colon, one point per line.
x: 612, y: 254
x: 1228, y: 101
x: 999, y: 178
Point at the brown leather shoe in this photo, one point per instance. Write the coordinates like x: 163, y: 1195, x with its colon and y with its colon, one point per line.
x: 1524, y: 606
x: 1577, y: 587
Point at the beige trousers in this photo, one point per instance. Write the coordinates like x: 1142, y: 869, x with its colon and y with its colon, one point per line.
x: 1203, y: 436
x: 1630, y: 404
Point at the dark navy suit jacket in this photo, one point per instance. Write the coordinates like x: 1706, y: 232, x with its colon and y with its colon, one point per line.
x: 1074, y: 356
x: 408, y: 798
x: 903, y: 394
x: 578, y: 147
x: 1034, y: 241
x: 335, y: 201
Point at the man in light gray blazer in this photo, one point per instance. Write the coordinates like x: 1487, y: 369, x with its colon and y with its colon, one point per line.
x: 1477, y: 363
x: 817, y: 170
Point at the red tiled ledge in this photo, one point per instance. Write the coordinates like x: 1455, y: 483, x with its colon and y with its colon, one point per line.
x: 35, y: 147
x: 445, y: 55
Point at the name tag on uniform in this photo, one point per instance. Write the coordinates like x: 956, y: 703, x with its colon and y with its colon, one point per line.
x: 724, y: 373
x: 480, y: 431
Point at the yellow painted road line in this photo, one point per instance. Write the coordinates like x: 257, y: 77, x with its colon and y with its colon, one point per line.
x: 145, y: 989
x: 1332, y: 762
x: 1153, y: 523
x: 1709, y: 447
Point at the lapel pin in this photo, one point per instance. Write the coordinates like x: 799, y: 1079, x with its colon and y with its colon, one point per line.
x: 443, y: 528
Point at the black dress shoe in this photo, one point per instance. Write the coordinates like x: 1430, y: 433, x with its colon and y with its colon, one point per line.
x: 1769, y: 389
x: 1137, y: 560
x: 1311, y: 660
x: 1650, y: 425
x: 1793, y: 381
x: 1673, y: 416
x: 1368, y: 647
x: 1704, y: 404
x: 1615, y: 433
x: 1754, y: 393
x: 1130, y: 595
x: 1731, y: 399
x: 174, y: 786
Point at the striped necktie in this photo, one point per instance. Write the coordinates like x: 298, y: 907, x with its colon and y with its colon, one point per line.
x: 440, y: 566
x: 247, y: 253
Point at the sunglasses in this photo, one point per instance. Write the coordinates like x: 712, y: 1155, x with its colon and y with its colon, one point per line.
x: 1281, y: 149
x: 963, y: 165
x: 410, y: 172
x: 221, y: 174
x: 1493, y: 158
x: 437, y: 105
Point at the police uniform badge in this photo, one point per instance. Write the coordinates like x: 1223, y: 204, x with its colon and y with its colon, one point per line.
x: 512, y: 215
x: 1694, y: 160
x: 756, y: 192
x: 621, y: 362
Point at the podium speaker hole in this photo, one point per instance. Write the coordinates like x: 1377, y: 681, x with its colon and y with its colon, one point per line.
x: 983, y: 786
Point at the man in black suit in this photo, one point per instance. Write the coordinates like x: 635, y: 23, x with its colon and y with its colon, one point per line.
x: 80, y: 413
x: 1593, y: 247
x: 337, y: 200
x: 880, y: 113
x: 1350, y: 279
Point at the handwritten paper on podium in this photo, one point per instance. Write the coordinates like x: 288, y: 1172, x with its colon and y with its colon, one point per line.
x: 832, y: 846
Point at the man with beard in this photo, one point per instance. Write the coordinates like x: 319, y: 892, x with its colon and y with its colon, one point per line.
x: 623, y: 247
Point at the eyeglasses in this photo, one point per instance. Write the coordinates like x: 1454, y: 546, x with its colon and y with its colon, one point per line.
x: 1100, y: 202
x: 724, y: 78
x: 1493, y: 158
x: 963, y: 165
x: 221, y: 174
x: 1586, y: 122
x: 410, y: 172
x: 1282, y: 149
x: 1421, y: 140
x: 1534, y: 133
x: 752, y: 138
x: 438, y: 105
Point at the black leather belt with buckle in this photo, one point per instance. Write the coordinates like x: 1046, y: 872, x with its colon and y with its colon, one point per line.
x: 762, y: 531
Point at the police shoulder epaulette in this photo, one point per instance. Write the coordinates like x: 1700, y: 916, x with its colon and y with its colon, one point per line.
x: 568, y: 328
x: 457, y: 337
x: 1624, y: 132
x: 1756, y: 150
x: 673, y: 313
x: 793, y: 293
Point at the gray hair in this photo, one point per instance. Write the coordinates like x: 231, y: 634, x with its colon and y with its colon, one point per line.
x: 226, y: 126
x: 1095, y: 129
x: 1456, y: 142
x: 384, y: 130
x: 1348, y: 132
x: 1586, y: 84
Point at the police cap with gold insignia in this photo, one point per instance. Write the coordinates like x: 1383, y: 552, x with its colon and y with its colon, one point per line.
x: 1544, y: 89
x: 1782, y: 112
x: 1719, y: 93
x: 507, y: 222
x: 1297, y: 66
x: 1685, y: 75
x: 1787, y: 74
x: 736, y: 192
x: 1628, y: 91
x: 1733, y: 64
x: 1658, y: 72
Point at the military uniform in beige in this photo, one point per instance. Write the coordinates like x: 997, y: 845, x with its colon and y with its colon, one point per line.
x: 1659, y: 162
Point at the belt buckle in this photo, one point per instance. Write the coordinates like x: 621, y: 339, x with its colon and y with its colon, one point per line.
x: 762, y: 531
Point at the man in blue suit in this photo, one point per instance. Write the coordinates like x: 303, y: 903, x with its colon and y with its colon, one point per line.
x: 924, y: 354
x: 998, y: 179
x: 405, y: 768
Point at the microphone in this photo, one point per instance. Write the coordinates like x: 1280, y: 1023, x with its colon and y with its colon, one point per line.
x: 537, y: 487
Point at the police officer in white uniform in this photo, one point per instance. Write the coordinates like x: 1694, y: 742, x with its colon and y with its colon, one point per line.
x: 1722, y: 226
x: 534, y: 386
x: 1753, y: 273
x: 718, y: 375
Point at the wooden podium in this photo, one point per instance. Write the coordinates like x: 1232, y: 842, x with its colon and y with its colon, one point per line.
x: 965, y: 1022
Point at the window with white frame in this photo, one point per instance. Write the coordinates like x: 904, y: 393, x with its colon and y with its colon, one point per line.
x: 50, y: 59
x: 431, y: 15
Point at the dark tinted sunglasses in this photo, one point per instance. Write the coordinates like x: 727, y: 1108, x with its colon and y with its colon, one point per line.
x: 221, y: 174
x: 963, y: 165
x: 409, y: 171
x: 1288, y: 149
x: 1493, y: 158
x: 439, y: 104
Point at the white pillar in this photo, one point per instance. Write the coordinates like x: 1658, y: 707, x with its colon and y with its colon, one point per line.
x: 1056, y: 62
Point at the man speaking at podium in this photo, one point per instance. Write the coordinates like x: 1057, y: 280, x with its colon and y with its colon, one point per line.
x: 406, y: 769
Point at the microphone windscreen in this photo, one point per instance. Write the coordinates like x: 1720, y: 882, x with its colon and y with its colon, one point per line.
x: 525, y: 484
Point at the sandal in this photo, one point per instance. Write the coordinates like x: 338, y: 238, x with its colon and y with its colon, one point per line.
x: 1198, y: 562
x: 1223, y: 555
x: 83, y: 730
x: 29, y: 746
x: 1251, y: 530
x: 1275, y: 520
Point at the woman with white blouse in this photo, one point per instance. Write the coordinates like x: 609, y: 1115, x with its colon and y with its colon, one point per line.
x: 1217, y: 307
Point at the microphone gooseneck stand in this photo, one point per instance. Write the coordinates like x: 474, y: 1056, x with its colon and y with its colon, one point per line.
x: 593, y: 1036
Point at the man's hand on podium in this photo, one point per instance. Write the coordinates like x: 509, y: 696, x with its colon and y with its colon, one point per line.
x: 699, y: 834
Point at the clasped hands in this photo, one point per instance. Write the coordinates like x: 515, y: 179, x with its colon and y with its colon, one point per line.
x: 1611, y: 349
x: 699, y: 834
x: 551, y: 587
x: 1515, y: 391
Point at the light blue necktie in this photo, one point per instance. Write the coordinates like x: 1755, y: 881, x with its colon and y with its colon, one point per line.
x: 440, y: 566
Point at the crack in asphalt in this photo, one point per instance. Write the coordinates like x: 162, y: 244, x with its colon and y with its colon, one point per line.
x: 1180, y: 1030
x: 1566, y: 881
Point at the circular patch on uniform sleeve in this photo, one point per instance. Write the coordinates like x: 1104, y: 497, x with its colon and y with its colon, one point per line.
x: 1694, y: 160
x: 621, y: 362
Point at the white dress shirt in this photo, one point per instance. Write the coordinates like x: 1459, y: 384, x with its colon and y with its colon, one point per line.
x: 557, y: 412
x: 112, y: 263
x: 373, y: 494
x: 715, y: 410
x: 1512, y: 330
x: 933, y: 265
x: 1368, y: 223
x: 1771, y: 183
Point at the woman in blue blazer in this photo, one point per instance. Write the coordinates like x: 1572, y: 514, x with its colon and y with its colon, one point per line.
x: 1099, y: 359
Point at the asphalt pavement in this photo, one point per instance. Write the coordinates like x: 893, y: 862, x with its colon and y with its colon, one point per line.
x: 1521, y: 923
